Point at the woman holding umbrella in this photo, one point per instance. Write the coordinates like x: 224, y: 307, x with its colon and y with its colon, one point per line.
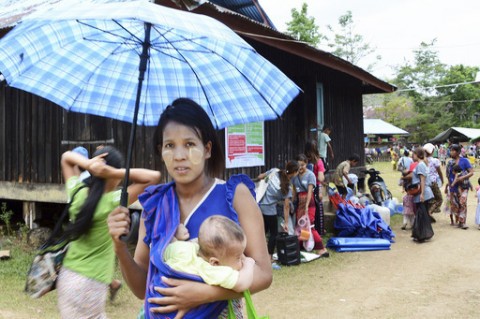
x: 188, y: 144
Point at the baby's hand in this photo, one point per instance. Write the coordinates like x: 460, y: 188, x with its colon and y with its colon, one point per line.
x: 248, y: 262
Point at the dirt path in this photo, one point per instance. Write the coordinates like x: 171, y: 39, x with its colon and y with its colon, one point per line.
x: 437, y: 279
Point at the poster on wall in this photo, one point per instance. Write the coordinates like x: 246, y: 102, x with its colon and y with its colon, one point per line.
x: 244, y: 145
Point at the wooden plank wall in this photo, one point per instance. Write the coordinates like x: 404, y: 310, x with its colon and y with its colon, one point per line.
x: 342, y: 103
x: 32, y: 129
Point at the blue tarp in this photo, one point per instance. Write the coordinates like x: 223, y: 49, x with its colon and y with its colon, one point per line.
x: 361, y: 222
x: 345, y: 244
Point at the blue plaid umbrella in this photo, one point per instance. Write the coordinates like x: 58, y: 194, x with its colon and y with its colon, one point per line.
x: 128, y: 60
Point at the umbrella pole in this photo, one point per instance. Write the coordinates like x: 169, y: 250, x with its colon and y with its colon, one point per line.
x: 141, y: 76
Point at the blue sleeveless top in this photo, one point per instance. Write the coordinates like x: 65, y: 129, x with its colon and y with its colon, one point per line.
x: 162, y: 216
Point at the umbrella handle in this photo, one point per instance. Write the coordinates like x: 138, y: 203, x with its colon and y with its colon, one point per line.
x: 132, y: 235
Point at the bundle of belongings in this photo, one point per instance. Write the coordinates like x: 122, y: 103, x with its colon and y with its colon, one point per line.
x: 360, y: 223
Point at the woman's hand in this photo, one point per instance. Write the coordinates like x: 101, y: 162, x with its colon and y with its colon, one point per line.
x: 97, y: 166
x: 181, y: 296
x: 456, y: 180
x: 118, y: 223
x: 422, y: 198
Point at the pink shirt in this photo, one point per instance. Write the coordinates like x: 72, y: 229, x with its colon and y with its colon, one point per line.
x: 318, y: 167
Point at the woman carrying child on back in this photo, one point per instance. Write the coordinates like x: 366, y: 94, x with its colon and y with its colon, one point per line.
x: 88, y: 265
x: 192, y: 155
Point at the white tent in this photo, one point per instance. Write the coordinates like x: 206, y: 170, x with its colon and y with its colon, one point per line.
x: 462, y: 134
x: 380, y: 127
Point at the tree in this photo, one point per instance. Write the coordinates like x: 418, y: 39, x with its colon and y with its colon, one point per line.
x: 348, y: 45
x: 423, y: 75
x: 303, y: 28
x: 442, y: 96
x: 461, y: 97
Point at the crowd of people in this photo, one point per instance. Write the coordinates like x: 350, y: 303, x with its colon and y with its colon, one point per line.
x: 427, y: 174
x: 200, y: 240
x: 298, y: 187
x: 440, y: 151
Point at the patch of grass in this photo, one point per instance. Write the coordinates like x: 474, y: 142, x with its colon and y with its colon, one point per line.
x: 14, y: 303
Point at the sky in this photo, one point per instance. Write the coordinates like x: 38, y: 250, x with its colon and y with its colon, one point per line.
x: 397, y: 27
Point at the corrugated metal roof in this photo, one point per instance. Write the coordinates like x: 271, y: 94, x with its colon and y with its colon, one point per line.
x: 248, y: 8
x: 11, y: 11
x: 380, y: 127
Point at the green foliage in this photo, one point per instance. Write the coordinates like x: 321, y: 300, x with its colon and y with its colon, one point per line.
x: 303, y: 28
x: 432, y: 96
x: 6, y: 216
x: 347, y: 44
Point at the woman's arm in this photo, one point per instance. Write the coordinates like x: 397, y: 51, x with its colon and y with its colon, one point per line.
x: 309, y: 197
x: 141, y: 178
x: 262, y: 176
x: 71, y: 160
x: 440, y: 174
x: 251, y: 220
x: 134, y: 270
x: 321, y: 170
x: 468, y: 175
x: 321, y: 177
x: 245, y: 275
x: 286, y: 213
x: 331, y: 150
x: 422, y: 188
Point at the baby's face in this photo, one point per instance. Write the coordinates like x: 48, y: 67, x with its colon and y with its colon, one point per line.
x: 233, y: 256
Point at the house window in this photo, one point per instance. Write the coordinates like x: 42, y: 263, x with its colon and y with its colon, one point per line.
x: 320, y: 108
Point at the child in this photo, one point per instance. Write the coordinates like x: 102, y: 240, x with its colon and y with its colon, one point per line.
x: 217, y: 258
x: 408, y: 211
x: 477, y: 215
x: 465, y: 184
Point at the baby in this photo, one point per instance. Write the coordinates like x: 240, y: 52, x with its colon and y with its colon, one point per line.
x: 465, y: 184
x: 217, y: 257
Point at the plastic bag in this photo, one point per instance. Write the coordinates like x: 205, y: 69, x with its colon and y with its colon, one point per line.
x: 250, y: 309
x: 304, y: 232
x: 310, y: 243
x: 446, y: 202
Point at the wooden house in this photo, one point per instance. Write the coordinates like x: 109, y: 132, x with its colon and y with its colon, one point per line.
x: 34, y: 132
